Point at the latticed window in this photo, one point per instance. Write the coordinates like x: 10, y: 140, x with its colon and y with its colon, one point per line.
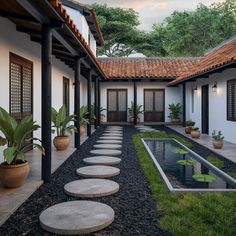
x: 231, y: 100
x: 20, y: 86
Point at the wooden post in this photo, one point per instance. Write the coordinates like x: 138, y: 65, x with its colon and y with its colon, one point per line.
x: 184, y: 103
x: 135, y: 103
x: 46, y: 94
x: 77, y: 101
x: 99, y: 103
x: 96, y: 101
x: 89, y: 81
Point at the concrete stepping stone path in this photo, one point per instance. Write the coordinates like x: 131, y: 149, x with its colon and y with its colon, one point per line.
x: 108, y: 146
x: 91, y: 188
x: 117, y: 135
x: 102, y: 160
x: 98, y: 171
x: 113, y: 132
x: 110, y: 141
x: 111, y: 137
x: 106, y: 152
x: 76, y: 217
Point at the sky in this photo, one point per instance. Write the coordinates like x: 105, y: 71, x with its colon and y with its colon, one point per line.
x: 153, y: 11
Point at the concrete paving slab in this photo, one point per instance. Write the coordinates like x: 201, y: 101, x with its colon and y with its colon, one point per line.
x: 102, y: 160
x: 106, y: 152
x: 108, y: 146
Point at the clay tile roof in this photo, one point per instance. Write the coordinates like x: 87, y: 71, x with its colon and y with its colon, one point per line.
x: 56, y: 4
x: 138, y: 68
x: 222, y: 55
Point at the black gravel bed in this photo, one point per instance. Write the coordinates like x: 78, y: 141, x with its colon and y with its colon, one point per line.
x: 135, y: 211
x: 201, y: 150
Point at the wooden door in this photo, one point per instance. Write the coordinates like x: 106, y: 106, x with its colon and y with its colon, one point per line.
x: 117, y: 105
x: 205, y: 109
x: 154, y: 105
x: 66, y: 94
x: 21, y: 87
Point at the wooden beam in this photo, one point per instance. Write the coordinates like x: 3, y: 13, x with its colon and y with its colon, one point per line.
x: 89, y: 83
x: 135, y: 103
x: 28, y: 31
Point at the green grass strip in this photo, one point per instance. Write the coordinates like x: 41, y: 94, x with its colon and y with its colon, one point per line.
x: 206, y: 214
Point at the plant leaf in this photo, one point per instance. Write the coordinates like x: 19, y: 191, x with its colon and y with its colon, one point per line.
x: 9, y: 154
x: 186, y: 162
x: 204, y: 178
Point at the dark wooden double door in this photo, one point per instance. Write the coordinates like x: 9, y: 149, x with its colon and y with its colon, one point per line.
x: 117, y: 105
x: 154, y: 105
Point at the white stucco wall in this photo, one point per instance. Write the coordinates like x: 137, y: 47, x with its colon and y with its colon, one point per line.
x: 20, y: 44
x: 217, y: 104
x: 172, y: 94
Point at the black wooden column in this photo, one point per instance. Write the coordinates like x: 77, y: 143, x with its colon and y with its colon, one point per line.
x: 77, y: 101
x: 135, y: 103
x: 99, y: 103
x: 96, y: 101
x: 89, y: 82
x: 46, y: 93
x: 184, y: 103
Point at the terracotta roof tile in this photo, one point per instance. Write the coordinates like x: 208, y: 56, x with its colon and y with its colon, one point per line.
x: 222, y: 55
x: 163, y: 68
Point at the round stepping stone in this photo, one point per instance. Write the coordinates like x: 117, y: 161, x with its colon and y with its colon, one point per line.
x: 76, y: 217
x: 115, y: 126
x: 102, y: 160
x: 110, y: 141
x: 98, y: 171
x: 113, y: 132
x: 118, y: 135
x: 106, y: 152
x: 91, y: 188
x: 111, y: 137
x: 108, y: 146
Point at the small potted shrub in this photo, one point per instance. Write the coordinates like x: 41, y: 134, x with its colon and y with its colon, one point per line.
x: 189, y: 126
x: 83, y: 119
x: 218, y: 139
x: 195, y: 133
x: 102, y: 116
x: 61, y: 122
x: 135, y: 110
x: 175, y: 111
x: 17, y: 136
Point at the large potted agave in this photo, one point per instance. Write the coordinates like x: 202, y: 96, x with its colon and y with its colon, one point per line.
x: 175, y: 111
x: 17, y: 137
x: 63, y: 126
x: 135, y: 110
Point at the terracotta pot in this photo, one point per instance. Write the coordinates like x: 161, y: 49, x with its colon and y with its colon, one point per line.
x: 218, y: 144
x: 82, y: 130
x: 175, y: 120
x: 195, y: 134
x: 61, y: 142
x: 188, y: 129
x: 13, y: 176
x: 131, y: 120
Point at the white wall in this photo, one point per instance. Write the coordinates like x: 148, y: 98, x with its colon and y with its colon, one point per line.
x: 217, y: 104
x: 172, y: 94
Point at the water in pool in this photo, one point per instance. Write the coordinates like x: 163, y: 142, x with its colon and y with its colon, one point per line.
x: 183, y: 169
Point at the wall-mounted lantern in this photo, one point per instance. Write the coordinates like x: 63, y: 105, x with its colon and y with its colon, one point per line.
x: 195, y: 90
x: 214, y: 88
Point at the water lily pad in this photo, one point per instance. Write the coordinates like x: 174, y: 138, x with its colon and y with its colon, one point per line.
x: 186, y: 162
x: 204, y: 178
x: 179, y: 151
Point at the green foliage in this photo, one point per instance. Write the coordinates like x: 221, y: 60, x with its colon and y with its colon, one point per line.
x: 175, y: 110
x: 232, y: 174
x: 189, y: 123
x: 216, y: 161
x: 62, y: 122
x: 16, y: 135
x: 204, y: 178
x: 181, y: 151
x: 186, y: 162
x: 135, y: 109
x: 211, y: 214
x: 84, y: 115
x: 217, y: 135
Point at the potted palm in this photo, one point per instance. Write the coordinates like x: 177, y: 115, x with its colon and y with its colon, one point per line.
x: 135, y: 110
x: 17, y: 136
x: 195, y: 133
x: 218, y: 139
x: 61, y: 122
x: 189, y: 126
x: 175, y: 111
x: 83, y: 119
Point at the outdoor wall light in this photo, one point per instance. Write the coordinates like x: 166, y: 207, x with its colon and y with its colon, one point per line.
x: 195, y: 89
x: 214, y: 88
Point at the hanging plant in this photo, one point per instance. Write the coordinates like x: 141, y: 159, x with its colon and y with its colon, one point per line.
x: 204, y: 178
x: 186, y: 162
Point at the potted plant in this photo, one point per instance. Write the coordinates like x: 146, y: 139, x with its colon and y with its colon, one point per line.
x: 102, y: 116
x: 62, y: 124
x: 175, y: 111
x: 17, y: 136
x: 195, y: 133
x: 135, y: 110
x: 218, y: 139
x: 83, y: 119
x: 189, y: 126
